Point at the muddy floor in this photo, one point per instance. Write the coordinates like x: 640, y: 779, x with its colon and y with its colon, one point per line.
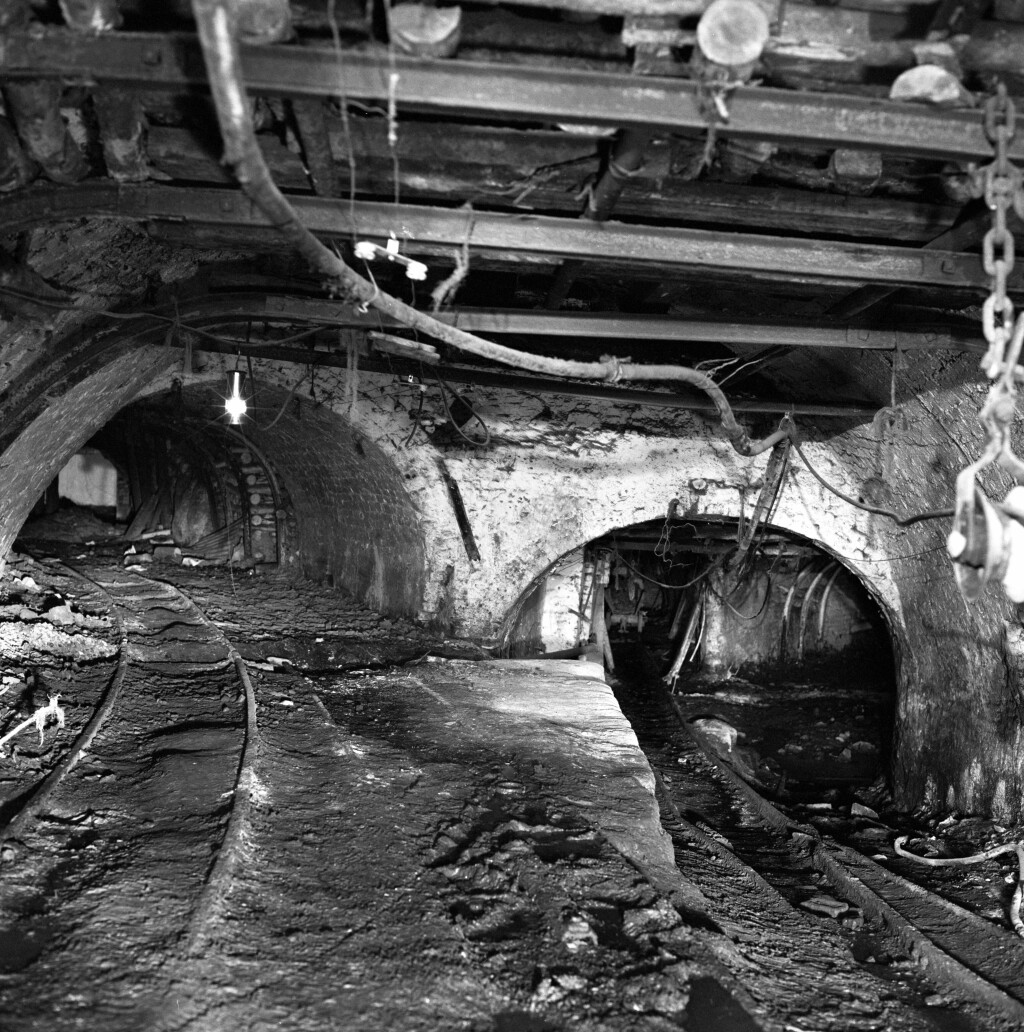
x: 381, y: 829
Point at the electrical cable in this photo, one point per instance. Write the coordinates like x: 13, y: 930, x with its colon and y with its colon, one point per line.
x: 455, y: 426
x: 291, y: 394
x: 346, y: 127
x: 724, y: 599
x: 892, y: 558
x: 223, y: 59
x: 415, y: 420
x: 661, y: 584
x: 392, y: 105
x: 171, y: 321
x: 900, y: 521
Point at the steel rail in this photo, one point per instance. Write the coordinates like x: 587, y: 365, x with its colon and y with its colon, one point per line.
x: 172, y: 61
x: 48, y: 785
x: 511, y: 234
x: 994, y: 981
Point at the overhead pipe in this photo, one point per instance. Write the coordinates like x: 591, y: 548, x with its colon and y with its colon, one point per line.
x: 625, y: 160
x: 216, y: 23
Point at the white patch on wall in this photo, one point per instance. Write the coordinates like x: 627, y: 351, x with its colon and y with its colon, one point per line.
x: 971, y: 782
x: 999, y: 807
x: 561, y: 626
x: 89, y: 479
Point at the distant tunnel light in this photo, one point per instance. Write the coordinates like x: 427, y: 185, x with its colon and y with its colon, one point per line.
x: 234, y: 404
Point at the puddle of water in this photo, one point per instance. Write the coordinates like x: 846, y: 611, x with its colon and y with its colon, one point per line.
x: 21, y: 945
x: 712, y: 1008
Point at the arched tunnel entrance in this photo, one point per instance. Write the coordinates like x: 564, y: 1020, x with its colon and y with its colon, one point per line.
x: 187, y: 488
x: 769, y: 645
x: 295, y: 486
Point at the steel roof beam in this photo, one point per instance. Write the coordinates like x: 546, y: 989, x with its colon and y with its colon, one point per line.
x: 616, y: 326
x: 513, y: 380
x: 512, y: 235
x: 172, y: 61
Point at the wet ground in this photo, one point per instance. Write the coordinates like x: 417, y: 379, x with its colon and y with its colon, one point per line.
x: 427, y: 841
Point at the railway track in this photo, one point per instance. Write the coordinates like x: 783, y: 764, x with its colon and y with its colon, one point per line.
x: 151, y: 796
x: 162, y: 878
x: 891, y: 955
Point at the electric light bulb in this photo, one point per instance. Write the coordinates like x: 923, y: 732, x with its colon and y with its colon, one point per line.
x: 235, y: 407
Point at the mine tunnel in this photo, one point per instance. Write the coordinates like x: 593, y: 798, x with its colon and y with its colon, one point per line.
x: 760, y: 635
x: 509, y: 516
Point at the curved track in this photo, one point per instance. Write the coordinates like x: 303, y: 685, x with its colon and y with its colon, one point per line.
x: 161, y: 879
x: 117, y: 862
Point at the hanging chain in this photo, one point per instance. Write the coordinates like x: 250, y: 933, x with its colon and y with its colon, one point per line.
x: 1000, y: 184
x: 979, y: 542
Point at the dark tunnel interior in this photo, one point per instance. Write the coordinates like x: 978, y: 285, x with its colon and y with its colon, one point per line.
x: 767, y: 642
x: 299, y: 489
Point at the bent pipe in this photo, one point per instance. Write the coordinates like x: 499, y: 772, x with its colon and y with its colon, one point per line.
x: 91, y: 346
x: 218, y: 36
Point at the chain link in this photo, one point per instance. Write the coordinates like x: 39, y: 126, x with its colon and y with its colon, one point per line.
x: 1000, y: 184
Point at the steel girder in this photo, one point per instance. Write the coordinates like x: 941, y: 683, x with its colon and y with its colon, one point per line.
x: 512, y: 380
x: 172, y: 61
x: 511, y: 235
x: 635, y: 328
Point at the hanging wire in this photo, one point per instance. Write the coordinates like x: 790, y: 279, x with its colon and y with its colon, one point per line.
x: 724, y: 599
x: 674, y: 587
x: 893, y: 558
x: 665, y: 538
x: 754, y: 362
x: 455, y: 426
x: 284, y: 407
x: 445, y: 290
x: 392, y: 113
x: 346, y: 127
x: 900, y: 521
x: 416, y: 425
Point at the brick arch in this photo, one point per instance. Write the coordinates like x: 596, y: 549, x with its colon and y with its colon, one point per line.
x: 49, y: 437
x: 355, y: 525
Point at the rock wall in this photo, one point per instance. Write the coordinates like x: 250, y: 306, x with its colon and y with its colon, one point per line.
x: 557, y: 472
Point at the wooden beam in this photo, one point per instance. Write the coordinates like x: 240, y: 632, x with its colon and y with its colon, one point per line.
x: 533, y: 169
